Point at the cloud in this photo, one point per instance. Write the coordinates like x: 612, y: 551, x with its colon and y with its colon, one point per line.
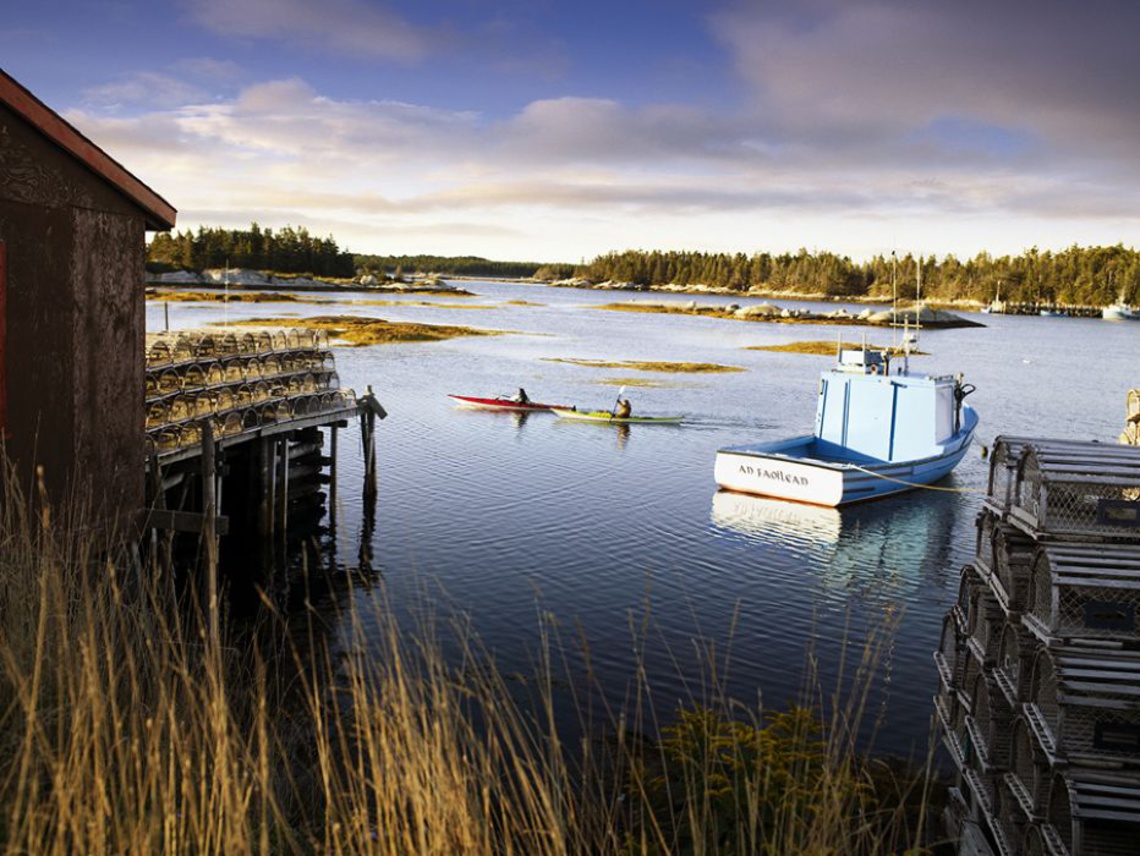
x: 146, y: 89
x: 877, y: 69
x: 353, y: 27
x: 571, y: 176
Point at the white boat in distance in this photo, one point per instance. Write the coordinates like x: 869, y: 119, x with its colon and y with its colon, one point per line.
x: 1120, y: 311
x: 876, y: 434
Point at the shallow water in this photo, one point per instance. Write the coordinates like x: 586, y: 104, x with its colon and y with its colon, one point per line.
x: 532, y: 525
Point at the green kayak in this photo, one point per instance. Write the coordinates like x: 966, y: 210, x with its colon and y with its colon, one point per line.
x: 607, y: 416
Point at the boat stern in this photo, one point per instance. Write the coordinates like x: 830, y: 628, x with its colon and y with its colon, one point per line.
x: 774, y: 475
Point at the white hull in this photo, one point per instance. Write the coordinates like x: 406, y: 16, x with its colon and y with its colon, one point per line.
x: 1120, y: 312
x: 786, y: 470
x: 780, y: 477
x: 824, y: 482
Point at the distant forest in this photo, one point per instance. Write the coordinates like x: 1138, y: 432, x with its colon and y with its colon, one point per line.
x: 1093, y: 276
x: 287, y: 250
x: 448, y: 266
x: 1077, y: 276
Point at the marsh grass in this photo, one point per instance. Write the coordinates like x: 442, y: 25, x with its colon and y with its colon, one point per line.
x: 827, y: 348
x: 233, y: 296
x: 375, y: 331
x: 126, y: 728
x: 649, y: 365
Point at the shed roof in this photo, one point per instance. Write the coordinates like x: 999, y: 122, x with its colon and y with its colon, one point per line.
x: 160, y: 215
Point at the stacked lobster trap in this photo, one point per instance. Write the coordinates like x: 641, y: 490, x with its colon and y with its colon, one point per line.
x: 239, y: 380
x: 1039, y: 659
x: 1131, y: 432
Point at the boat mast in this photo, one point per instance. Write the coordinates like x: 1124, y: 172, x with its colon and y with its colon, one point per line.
x: 894, y: 295
x: 918, y: 302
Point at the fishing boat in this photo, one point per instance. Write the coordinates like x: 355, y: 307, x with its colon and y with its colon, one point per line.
x: 995, y: 306
x: 503, y: 403
x: 876, y: 433
x: 608, y: 416
x: 1120, y: 311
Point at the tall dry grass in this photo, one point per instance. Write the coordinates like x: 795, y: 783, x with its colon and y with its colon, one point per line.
x: 125, y: 728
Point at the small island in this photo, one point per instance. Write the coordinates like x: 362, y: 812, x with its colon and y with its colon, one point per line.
x: 361, y: 331
x: 909, y: 316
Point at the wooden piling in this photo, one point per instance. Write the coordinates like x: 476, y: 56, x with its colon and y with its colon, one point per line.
x: 368, y: 438
x: 209, y: 528
x: 281, y: 524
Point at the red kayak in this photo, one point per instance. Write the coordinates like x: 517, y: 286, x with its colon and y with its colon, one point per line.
x: 502, y: 402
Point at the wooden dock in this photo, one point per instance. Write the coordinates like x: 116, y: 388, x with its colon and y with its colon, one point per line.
x: 235, y: 421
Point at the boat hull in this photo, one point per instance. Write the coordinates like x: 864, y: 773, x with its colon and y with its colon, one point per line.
x: 787, y: 470
x: 505, y: 405
x: 1118, y: 312
x: 607, y: 418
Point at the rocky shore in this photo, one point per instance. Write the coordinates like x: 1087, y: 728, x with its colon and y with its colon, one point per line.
x: 251, y: 279
x: 910, y: 316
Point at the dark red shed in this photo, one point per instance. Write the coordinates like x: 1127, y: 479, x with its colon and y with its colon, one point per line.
x: 73, y: 226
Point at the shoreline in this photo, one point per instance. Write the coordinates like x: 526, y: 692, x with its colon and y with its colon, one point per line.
x: 247, y: 280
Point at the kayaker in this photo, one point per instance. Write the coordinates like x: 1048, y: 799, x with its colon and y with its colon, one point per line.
x: 521, y: 397
x: 623, y: 409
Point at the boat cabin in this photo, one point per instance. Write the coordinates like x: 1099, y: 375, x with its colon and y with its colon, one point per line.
x: 863, y: 411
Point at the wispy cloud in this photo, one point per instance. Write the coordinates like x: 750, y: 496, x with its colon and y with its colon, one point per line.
x: 865, y: 125
x: 877, y: 71
x: 355, y: 27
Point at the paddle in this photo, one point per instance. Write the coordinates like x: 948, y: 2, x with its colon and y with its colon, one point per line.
x: 613, y: 410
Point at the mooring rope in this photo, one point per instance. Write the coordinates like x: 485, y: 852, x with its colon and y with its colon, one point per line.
x: 916, y: 485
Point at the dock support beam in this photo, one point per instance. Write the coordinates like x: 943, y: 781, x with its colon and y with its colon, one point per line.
x: 209, y: 527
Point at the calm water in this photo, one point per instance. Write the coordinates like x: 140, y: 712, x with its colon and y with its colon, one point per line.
x: 532, y: 525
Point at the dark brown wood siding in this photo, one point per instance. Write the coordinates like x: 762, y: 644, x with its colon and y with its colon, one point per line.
x: 76, y: 329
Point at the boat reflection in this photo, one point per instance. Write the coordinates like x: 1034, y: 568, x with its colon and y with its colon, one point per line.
x: 764, y: 517
x: 891, y: 544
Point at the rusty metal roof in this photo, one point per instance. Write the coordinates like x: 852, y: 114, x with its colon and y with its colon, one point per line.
x: 160, y: 215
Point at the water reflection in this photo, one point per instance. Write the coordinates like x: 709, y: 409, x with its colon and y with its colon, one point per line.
x: 516, y: 417
x: 893, y: 545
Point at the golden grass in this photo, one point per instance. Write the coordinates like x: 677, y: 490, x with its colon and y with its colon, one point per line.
x: 127, y: 727
x: 641, y: 383
x: 824, y: 348
x: 667, y: 309
x: 413, y: 303
x: 222, y: 297
x: 648, y: 366
x: 375, y: 331
x: 712, y: 311
x: 814, y: 347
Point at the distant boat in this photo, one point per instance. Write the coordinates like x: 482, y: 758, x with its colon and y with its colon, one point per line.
x: 1054, y: 313
x: 997, y: 305
x: 876, y: 434
x: 1120, y: 311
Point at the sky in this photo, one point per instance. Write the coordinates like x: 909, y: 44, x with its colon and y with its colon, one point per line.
x: 559, y: 130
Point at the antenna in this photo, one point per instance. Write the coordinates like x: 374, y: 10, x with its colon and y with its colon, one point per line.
x: 894, y: 297
x: 918, y: 301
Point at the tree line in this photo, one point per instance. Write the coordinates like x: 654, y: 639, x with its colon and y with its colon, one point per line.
x: 445, y: 265
x: 287, y: 250
x: 1077, y: 276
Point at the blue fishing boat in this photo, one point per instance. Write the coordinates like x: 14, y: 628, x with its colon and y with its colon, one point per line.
x: 877, y: 433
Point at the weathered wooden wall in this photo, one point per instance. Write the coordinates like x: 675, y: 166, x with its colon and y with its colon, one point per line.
x: 75, y: 323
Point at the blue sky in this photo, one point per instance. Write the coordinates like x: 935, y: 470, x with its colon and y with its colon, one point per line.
x: 552, y: 130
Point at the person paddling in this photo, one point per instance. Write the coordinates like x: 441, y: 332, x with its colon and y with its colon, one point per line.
x: 623, y: 409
